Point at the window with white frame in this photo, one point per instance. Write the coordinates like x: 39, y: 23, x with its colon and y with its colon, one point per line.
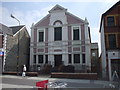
x: 83, y: 58
x: 40, y: 58
x: 58, y: 33
x: 76, y: 33
x: 69, y: 58
x: 40, y: 35
x: 76, y: 58
x: 34, y: 59
x: 46, y: 59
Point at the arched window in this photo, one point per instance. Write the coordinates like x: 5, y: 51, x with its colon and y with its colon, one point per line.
x: 57, y: 23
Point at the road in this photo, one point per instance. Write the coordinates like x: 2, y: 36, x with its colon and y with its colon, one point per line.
x: 30, y: 82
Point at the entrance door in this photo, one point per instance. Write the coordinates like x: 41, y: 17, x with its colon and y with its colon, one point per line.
x: 115, y: 66
x: 58, y: 60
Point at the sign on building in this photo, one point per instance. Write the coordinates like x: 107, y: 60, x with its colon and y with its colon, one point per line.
x: 1, y: 53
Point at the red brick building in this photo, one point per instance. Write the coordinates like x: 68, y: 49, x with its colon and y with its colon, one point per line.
x: 110, y: 41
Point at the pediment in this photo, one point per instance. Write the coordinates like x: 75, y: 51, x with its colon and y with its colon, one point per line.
x: 57, y: 8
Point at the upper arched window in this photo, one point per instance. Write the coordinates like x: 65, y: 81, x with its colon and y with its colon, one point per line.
x: 57, y: 23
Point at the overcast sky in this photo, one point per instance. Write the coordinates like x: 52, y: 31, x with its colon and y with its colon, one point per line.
x: 31, y: 12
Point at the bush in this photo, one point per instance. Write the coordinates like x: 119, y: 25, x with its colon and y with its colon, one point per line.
x: 61, y: 68
x: 46, y: 69
x: 54, y: 69
x: 67, y: 69
x: 70, y: 68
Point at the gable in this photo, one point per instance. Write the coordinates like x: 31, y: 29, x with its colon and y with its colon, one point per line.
x: 113, y: 9
x: 71, y: 19
x: 43, y: 22
x: 15, y: 29
x: 57, y: 8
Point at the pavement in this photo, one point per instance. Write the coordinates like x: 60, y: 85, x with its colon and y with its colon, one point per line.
x: 11, y: 81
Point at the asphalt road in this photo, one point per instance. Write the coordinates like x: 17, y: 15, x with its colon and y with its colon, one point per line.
x: 28, y: 81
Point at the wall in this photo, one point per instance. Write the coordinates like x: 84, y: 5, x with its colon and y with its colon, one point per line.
x: 12, y: 51
x: 61, y: 47
x: 103, y: 51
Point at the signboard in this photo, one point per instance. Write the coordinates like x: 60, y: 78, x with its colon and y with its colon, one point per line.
x: 1, y: 53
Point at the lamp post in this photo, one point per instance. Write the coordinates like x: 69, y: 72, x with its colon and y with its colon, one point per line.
x: 18, y: 43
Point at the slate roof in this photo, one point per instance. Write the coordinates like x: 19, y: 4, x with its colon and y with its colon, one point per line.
x: 118, y: 3
x: 5, y: 29
x: 15, y: 29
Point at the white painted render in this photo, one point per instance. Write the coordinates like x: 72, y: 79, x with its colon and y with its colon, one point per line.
x: 31, y: 46
x: 78, y: 26
x: 87, y: 45
x: 103, y: 50
x: 58, y: 16
x: 63, y: 44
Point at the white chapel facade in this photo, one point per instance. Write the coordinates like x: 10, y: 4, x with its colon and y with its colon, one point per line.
x: 60, y: 38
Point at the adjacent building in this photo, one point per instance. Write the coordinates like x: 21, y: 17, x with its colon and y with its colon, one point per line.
x: 4, y: 33
x: 95, y: 65
x: 110, y: 41
x: 16, y: 48
x: 60, y: 38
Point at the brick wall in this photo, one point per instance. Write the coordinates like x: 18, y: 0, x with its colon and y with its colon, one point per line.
x: 92, y: 76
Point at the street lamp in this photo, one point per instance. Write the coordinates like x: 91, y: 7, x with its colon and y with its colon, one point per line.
x: 18, y: 42
x: 15, y: 19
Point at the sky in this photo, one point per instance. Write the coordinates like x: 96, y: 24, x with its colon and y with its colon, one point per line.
x: 29, y: 12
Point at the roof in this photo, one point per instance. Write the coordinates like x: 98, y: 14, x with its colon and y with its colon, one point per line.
x: 5, y: 29
x: 118, y: 3
x: 57, y: 8
x: 71, y: 19
x: 15, y: 29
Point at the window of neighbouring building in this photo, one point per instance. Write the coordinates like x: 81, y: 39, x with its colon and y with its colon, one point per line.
x: 46, y: 59
x: 110, y: 21
x: 76, y: 58
x: 69, y: 58
x: 58, y: 33
x: 75, y: 33
x: 34, y: 60
x: 83, y: 58
x: 112, y: 41
x: 41, y: 36
x: 40, y: 58
x: 93, y: 54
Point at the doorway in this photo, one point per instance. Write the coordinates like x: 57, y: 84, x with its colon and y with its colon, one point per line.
x: 115, y: 66
x: 58, y: 60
